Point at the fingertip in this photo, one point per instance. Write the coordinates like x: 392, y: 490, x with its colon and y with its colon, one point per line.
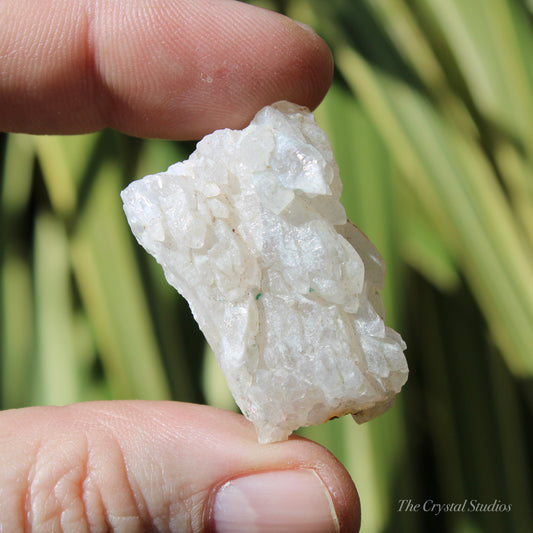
x: 279, y: 59
x: 233, y: 458
x: 336, y: 478
x: 232, y: 59
x: 344, y: 496
x: 316, y: 68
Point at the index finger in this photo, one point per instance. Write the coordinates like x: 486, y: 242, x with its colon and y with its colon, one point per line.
x: 169, y: 68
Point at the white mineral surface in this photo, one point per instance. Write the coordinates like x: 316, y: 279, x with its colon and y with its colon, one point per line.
x: 250, y: 230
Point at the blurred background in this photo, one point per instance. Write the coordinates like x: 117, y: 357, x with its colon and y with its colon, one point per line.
x: 431, y: 120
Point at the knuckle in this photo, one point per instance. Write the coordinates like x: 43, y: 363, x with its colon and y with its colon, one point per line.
x: 54, y: 498
x: 85, y: 483
x: 86, y: 477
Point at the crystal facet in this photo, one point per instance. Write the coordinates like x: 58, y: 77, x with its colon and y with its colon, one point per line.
x: 251, y: 231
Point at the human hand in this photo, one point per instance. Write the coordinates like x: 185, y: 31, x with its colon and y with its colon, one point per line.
x: 173, y: 69
x: 168, y: 466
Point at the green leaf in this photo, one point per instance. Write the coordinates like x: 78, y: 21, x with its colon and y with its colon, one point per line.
x: 58, y: 366
x: 112, y: 291
x: 450, y: 175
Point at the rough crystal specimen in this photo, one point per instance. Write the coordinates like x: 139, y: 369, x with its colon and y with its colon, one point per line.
x: 250, y: 230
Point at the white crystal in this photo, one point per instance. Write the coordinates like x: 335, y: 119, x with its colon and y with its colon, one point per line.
x: 250, y: 230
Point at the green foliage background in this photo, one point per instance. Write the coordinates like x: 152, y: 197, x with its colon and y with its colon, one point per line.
x: 431, y: 119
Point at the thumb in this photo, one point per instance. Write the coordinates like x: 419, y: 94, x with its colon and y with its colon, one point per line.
x: 135, y: 466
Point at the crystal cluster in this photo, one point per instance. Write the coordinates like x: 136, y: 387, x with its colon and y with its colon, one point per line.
x: 250, y: 230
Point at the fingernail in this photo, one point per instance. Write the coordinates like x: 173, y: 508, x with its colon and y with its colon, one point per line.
x: 306, y: 27
x: 286, y: 501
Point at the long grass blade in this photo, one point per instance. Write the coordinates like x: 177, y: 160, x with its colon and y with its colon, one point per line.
x: 16, y: 297
x: 447, y: 170
x: 104, y: 262
x: 16, y: 333
x: 59, y: 382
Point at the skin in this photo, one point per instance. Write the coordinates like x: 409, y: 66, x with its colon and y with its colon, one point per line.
x: 151, y: 68
x: 175, y: 69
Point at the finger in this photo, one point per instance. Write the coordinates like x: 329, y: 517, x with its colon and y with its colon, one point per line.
x: 134, y: 466
x: 172, y: 68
